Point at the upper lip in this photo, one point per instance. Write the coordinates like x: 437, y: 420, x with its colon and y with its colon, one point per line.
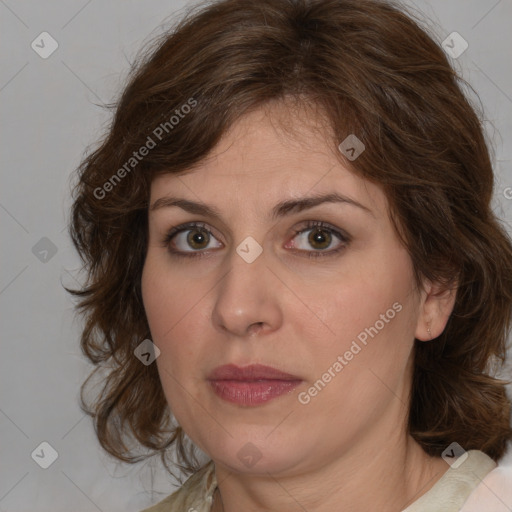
x: 252, y: 372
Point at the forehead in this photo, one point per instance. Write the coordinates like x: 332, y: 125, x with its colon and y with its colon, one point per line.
x: 268, y: 155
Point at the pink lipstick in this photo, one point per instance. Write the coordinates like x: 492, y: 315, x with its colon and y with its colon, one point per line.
x: 251, y: 385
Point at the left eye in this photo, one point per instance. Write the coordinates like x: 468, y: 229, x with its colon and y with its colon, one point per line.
x: 320, y: 237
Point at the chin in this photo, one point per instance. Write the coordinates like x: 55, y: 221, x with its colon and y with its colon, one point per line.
x: 257, y: 455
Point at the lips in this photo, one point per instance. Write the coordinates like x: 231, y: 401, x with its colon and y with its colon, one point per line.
x: 253, y: 372
x: 251, y: 385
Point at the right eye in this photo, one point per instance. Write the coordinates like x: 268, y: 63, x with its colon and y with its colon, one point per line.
x: 193, y: 235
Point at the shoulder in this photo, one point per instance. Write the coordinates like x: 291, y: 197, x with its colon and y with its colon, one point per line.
x: 195, y: 494
x: 455, y: 486
x: 494, y: 492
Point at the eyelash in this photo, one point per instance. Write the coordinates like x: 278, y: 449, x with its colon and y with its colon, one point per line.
x: 343, y: 238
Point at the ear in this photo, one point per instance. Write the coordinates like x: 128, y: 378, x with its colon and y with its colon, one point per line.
x: 436, y: 305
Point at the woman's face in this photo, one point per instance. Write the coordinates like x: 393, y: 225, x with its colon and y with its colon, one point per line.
x: 333, y: 308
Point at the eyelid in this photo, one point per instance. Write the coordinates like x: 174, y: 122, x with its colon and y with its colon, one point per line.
x: 172, y: 232
x: 342, y: 234
x: 343, y: 237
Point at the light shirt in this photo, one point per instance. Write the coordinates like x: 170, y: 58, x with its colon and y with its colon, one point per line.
x: 476, y: 485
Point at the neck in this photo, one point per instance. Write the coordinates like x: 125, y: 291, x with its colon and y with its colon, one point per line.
x: 385, y: 479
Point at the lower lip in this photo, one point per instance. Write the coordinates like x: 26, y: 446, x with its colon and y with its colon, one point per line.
x: 252, y: 392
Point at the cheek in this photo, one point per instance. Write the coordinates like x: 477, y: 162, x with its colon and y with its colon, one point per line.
x: 166, y: 299
x: 375, y: 355
x: 372, y: 309
x: 357, y: 298
x: 173, y: 309
x: 166, y: 312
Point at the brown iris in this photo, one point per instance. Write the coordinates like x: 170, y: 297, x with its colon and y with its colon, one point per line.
x: 319, y: 236
x: 197, y: 237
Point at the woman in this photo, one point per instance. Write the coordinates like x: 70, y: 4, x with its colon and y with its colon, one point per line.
x: 294, y: 264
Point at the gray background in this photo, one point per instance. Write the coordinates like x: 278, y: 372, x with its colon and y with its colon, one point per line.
x: 49, y: 117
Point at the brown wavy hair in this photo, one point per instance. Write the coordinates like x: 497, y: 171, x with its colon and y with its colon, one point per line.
x: 373, y: 71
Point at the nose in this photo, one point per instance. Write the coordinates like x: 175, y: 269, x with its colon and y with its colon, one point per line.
x: 248, y: 298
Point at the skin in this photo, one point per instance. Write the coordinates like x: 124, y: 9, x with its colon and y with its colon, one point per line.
x: 349, y: 445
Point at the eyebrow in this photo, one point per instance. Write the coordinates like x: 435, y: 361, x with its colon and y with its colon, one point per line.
x: 280, y: 209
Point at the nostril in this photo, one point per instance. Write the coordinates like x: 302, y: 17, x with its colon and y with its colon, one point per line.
x: 256, y: 326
